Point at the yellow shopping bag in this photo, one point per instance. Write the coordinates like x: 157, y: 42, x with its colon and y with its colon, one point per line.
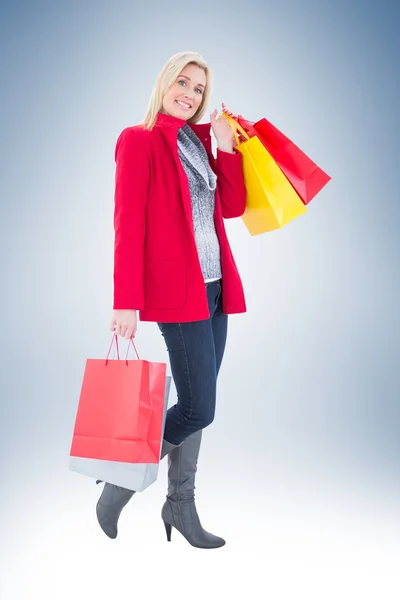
x: 271, y: 202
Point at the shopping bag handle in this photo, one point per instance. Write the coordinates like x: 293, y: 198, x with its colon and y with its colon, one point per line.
x: 115, y: 337
x: 245, y: 123
x: 235, y: 128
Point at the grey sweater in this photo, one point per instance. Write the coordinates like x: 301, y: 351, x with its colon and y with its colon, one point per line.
x: 202, y: 184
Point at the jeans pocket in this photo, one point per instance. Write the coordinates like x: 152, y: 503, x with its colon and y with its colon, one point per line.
x: 218, y: 300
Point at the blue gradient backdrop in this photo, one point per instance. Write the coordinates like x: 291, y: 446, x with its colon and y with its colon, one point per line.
x: 300, y: 470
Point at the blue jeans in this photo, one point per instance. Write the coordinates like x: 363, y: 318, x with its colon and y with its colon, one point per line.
x: 195, y: 353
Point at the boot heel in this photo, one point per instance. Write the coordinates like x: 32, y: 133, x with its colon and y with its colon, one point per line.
x: 168, y: 529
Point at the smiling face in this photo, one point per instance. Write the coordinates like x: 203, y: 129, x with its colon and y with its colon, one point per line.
x: 184, y: 97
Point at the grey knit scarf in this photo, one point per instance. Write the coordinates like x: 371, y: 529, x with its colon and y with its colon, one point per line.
x: 195, y: 154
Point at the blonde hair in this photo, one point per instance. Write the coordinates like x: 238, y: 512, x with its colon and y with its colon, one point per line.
x: 167, y: 77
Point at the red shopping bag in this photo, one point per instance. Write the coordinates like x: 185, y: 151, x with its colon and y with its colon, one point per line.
x: 304, y: 175
x: 120, y: 410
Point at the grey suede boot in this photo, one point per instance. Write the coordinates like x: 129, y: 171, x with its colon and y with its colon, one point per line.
x: 179, y: 510
x: 113, y: 499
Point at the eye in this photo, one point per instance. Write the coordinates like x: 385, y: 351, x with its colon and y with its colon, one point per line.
x: 184, y: 82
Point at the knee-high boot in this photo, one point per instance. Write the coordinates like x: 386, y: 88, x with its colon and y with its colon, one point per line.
x: 179, y: 510
x: 113, y: 499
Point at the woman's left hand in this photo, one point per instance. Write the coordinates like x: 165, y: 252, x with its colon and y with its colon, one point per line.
x: 221, y: 129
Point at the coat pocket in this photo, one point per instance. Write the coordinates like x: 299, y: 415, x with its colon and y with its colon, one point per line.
x: 165, y: 283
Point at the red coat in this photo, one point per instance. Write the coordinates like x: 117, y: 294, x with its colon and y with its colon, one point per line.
x: 156, y: 265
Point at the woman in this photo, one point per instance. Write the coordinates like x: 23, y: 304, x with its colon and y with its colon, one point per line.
x: 173, y: 265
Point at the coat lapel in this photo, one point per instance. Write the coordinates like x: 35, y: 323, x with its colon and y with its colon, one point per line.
x: 169, y: 126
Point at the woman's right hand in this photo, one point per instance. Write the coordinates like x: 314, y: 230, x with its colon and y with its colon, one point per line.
x: 124, y: 323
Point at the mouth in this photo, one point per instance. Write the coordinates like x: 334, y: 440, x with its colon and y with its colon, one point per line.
x: 183, y: 105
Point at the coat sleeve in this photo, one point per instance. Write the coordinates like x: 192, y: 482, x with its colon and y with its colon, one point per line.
x: 232, y: 191
x: 130, y: 202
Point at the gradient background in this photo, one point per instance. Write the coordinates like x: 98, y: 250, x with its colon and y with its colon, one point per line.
x: 300, y: 470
